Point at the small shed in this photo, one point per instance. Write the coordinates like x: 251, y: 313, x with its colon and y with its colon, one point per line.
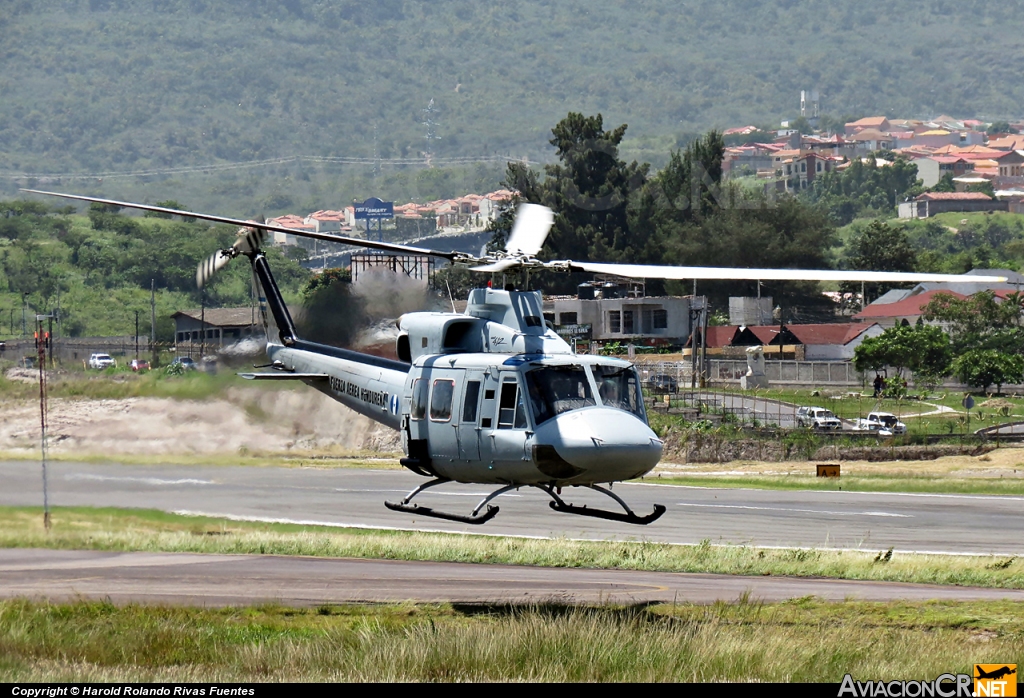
x: 214, y: 328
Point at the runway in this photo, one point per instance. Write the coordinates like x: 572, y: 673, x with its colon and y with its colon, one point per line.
x: 959, y: 524
x: 230, y: 580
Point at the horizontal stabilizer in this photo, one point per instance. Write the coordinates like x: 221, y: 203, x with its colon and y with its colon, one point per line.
x: 284, y: 376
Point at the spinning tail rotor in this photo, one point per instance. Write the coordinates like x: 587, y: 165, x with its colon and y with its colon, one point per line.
x: 248, y: 242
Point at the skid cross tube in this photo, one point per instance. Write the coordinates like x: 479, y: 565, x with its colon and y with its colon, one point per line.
x: 473, y: 518
x: 559, y: 505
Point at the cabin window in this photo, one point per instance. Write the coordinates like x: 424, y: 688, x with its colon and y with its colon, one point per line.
x: 472, y: 397
x: 511, y: 414
x: 441, y: 400
x: 557, y: 389
x: 419, y: 399
x: 619, y: 387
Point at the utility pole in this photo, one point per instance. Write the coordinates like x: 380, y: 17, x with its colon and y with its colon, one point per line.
x: 152, y: 321
x: 202, y: 324
x: 136, y: 335
x: 41, y: 353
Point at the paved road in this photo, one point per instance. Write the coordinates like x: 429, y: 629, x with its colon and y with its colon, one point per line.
x: 765, y: 411
x: 225, y: 580
x: 354, y: 497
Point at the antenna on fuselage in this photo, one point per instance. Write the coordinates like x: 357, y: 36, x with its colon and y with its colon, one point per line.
x: 450, y: 297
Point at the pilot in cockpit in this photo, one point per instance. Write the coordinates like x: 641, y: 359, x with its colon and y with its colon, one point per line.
x: 609, y: 392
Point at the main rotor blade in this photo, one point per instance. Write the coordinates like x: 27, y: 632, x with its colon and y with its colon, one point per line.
x: 530, y: 229
x: 340, y: 239
x: 500, y: 265
x: 650, y: 271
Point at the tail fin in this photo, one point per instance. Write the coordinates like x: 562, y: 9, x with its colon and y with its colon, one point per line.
x: 276, y: 318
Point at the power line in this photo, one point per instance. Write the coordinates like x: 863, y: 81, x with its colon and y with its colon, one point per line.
x: 221, y: 167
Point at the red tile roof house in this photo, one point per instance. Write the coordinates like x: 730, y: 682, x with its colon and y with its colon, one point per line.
x: 290, y: 221
x: 932, y: 203
x: 326, y: 221
x: 904, y: 312
x: 876, y: 122
x: 825, y: 342
x: 834, y: 342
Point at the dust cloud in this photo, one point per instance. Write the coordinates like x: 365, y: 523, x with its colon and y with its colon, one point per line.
x: 243, y: 419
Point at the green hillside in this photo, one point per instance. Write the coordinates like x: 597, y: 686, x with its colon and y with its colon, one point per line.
x: 107, y: 86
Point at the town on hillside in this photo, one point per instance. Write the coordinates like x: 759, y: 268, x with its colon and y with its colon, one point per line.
x: 982, y: 162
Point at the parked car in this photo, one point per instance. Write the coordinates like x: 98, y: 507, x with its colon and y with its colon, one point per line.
x: 818, y: 418
x: 139, y: 365
x: 661, y: 383
x: 885, y: 423
x: 101, y: 361
x: 185, y: 362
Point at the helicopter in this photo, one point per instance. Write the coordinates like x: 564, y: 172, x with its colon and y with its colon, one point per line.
x: 493, y: 395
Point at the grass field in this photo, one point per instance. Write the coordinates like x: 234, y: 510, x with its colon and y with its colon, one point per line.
x: 880, y: 483
x: 118, y: 383
x: 144, y: 530
x: 803, y: 640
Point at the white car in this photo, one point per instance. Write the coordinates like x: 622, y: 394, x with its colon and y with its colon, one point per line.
x: 818, y: 418
x: 884, y: 423
x: 101, y: 361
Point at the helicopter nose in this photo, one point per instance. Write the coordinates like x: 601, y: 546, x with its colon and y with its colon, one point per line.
x: 601, y: 442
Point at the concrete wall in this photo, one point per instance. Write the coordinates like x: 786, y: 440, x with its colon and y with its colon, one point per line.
x: 596, y: 313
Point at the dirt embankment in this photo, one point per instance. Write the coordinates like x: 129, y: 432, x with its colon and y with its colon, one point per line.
x: 241, y: 420
x: 712, y: 448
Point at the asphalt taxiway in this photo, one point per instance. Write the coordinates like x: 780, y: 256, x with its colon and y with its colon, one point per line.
x: 959, y: 524
x: 230, y: 580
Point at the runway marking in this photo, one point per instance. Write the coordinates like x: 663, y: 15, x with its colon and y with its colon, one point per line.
x: 456, y: 532
x: 143, y: 480
x: 801, y: 511
x: 970, y: 497
x: 368, y: 527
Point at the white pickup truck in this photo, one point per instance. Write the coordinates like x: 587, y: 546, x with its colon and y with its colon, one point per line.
x: 884, y: 423
x: 818, y: 418
x: 101, y: 361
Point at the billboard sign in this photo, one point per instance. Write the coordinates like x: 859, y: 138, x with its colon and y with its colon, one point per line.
x: 582, y: 331
x: 374, y: 208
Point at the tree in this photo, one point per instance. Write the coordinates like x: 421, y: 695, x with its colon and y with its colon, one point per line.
x: 980, y: 368
x: 1000, y: 127
x: 922, y: 349
x: 945, y: 184
x: 589, y: 190
x: 880, y: 247
x: 981, y: 321
x: 802, y: 125
x: 864, y: 186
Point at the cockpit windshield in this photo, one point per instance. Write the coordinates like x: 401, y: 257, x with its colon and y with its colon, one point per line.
x: 619, y: 387
x: 557, y: 389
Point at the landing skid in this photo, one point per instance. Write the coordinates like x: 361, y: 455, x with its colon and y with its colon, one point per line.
x: 558, y: 505
x: 629, y: 517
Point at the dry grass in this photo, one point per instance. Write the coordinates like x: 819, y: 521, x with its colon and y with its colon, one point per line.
x: 795, y: 641
x: 127, y: 530
x: 998, y: 472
